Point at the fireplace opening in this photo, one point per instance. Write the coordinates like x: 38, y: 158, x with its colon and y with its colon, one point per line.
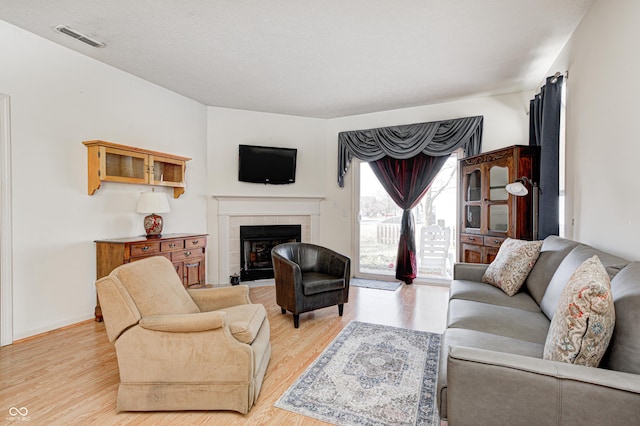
x: 256, y: 243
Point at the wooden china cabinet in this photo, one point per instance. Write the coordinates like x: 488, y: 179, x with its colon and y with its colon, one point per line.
x: 488, y: 213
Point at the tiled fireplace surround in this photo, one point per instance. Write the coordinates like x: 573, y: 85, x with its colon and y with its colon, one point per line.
x: 234, y: 212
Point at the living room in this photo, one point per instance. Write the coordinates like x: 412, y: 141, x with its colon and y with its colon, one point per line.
x: 59, y: 98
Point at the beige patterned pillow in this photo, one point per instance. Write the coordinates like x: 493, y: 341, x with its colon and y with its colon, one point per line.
x: 584, y: 319
x: 512, y: 264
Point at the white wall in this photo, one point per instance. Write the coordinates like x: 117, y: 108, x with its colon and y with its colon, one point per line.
x: 505, y: 123
x: 228, y: 128
x: 603, y: 101
x: 60, y: 98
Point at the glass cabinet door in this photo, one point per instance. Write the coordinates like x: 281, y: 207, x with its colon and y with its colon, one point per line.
x: 166, y: 171
x: 472, y: 217
x: 123, y: 166
x: 474, y: 186
x: 498, y: 218
x: 498, y: 180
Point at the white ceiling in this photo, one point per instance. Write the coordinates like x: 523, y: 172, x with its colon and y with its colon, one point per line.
x: 323, y: 58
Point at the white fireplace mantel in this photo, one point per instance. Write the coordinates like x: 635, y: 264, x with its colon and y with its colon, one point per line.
x: 269, y: 208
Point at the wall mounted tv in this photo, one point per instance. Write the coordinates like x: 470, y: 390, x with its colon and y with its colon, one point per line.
x: 264, y: 164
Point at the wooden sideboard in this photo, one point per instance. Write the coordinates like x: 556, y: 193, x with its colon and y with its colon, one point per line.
x: 185, y: 251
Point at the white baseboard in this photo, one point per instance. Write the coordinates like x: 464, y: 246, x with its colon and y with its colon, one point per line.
x: 54, y: 326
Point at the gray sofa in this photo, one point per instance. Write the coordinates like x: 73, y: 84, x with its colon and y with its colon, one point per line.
x: 491, y: 368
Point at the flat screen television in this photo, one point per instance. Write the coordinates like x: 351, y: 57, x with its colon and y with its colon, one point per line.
x: 265, y: 164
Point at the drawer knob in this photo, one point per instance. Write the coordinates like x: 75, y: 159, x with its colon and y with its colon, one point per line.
x: 188, y: 253
x: 172, y: 245
x: 145, y: 248
x: 195, y: 242
x: 496, y: 241
x: 472, y: 238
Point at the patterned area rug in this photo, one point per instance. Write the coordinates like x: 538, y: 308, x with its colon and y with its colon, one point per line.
x: 380, y: 285
x: 370, y: 375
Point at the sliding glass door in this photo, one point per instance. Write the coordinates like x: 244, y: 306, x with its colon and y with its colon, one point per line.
x: 379, y: 226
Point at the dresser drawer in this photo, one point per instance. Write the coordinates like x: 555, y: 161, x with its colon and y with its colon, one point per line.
x: 167, y: 255
x: 493, y: 241
x: 144, y: 249
x: 191, y: 243
x: 471, y: 239
x: 171, y: 245
x: 186, y: 255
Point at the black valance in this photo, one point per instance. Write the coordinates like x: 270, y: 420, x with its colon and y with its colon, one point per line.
x: 436, y: 138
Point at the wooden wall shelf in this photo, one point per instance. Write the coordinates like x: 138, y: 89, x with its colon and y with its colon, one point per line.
x: 111, y: 162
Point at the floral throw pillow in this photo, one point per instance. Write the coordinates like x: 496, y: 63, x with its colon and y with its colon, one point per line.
x: 512, y: 264
x: 584, y: 319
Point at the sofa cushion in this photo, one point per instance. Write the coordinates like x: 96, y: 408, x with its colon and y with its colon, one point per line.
x: 583, y: 322
x: 512, y: 264
x: 554, y: 250
x: 167, y: 295
x: 486, y: 293
x: 568, y: 266
x: 498, y: 320
x: 245, y: 321
x: 624, y: 349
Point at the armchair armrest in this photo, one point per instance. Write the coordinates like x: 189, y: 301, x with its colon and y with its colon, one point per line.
x: 469, y: 271
x: 487, y: 387
x: 184, y: 323
x: 211, y: 299
x: 335, y: 263
x: 287, y: 270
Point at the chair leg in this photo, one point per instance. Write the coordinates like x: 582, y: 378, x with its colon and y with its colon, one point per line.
x: 283, y: 310
x: 296, y: 320
x: 340, y: 309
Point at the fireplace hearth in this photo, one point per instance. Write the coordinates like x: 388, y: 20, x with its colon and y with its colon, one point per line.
x: 256, y: 243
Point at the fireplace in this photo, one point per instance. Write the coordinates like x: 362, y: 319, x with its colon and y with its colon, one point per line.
x: 256, y: 243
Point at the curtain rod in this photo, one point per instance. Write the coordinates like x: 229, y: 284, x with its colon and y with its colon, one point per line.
x: 554, y: 79
x: 558, y: 74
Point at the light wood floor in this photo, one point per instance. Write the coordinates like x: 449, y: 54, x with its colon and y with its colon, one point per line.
x: 70, y: 376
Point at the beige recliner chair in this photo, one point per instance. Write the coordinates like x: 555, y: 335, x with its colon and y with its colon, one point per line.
x: 178, y: 349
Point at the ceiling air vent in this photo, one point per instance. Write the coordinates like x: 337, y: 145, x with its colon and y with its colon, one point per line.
x: 79, y: 36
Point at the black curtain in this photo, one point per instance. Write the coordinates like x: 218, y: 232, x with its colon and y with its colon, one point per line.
x: 544, y: 131
x: 406, y: 181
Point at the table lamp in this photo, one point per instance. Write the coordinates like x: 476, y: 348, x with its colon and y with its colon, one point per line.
x: 153, y: 203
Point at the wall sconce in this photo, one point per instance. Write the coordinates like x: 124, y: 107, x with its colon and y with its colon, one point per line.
x: 153, y: 202
x: 519, y: 189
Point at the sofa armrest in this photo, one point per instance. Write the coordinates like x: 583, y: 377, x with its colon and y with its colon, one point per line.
x: 469, y: 271
x: 211, y: 299
x: 488, y: 387
x: 184, y: 323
